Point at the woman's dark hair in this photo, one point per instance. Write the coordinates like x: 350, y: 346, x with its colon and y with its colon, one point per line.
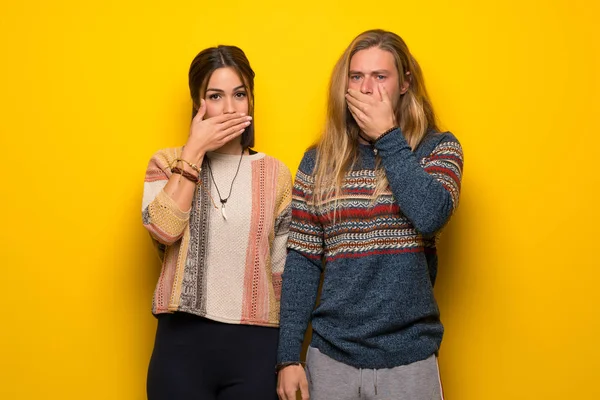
x: 213, y: 58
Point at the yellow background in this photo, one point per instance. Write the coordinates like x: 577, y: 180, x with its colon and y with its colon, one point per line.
x: 89, y: 90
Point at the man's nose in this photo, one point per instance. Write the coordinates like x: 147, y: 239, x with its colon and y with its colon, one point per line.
x: 367, y: 86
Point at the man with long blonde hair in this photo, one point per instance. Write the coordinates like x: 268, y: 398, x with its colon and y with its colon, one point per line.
x: 368, y: 203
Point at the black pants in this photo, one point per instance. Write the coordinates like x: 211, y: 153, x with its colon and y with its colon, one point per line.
x: 198, y: 359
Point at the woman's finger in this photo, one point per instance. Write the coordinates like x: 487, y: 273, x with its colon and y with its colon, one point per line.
x: 201, y: 111
x: 220, y: 119
x: 236, y: 123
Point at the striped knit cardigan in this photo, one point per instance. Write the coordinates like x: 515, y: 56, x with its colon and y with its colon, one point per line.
x: 182, y: 238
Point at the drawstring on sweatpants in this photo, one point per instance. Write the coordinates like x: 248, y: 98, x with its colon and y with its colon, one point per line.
x: 360, y: 384
x: 375, y: 373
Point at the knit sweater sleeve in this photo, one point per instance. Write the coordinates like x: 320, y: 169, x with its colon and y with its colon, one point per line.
x: 303, y: 266
x: 427, y: 193
x: 161, y: 215
x: 283, y: 215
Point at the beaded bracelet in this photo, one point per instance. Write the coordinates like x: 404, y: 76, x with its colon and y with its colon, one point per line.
x: 185, y: 174
x: 385, y: 133
x: 192, y: 165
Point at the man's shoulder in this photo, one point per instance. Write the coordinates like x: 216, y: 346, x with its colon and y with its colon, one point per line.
x: 433, y: 140
x: 309, y: 160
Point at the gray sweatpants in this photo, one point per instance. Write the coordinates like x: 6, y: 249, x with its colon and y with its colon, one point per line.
x: 329, y: 379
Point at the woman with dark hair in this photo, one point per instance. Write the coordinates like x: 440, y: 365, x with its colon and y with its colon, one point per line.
x: 219, y: 215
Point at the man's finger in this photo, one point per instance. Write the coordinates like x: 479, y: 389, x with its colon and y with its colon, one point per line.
x: 356, y: 103
x: 304, y: 389
x: 364, y: 98
x: 360, y: 124
x: 290, y: 394
x: 358, y: 115
x: 281, y: 392
x: 385, y: 96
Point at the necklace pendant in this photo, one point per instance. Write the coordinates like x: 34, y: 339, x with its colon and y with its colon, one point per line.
x: 223, y: 212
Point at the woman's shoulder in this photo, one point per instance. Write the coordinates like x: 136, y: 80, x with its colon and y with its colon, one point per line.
x: 307, y: 163
x: 283, y: 172
x: 273, y: 160
x: 164, y: 158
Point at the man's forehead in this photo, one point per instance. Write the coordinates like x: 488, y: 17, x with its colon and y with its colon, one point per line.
x: 373, y: 59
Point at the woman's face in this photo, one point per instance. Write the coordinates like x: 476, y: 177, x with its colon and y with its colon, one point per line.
x: 225, y: 93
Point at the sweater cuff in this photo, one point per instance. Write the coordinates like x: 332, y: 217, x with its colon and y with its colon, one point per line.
x: 393, y: 142
x: 166, y: 214
x: 289, y: 353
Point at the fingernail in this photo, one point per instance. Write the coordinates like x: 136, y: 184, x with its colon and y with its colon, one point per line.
x: 249, y: 118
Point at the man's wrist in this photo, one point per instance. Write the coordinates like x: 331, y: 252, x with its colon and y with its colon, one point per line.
x: 393, y: 128
x: 283, y: 365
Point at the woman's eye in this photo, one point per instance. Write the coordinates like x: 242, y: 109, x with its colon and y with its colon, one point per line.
x: 214, y: 96
x: 240, y: 94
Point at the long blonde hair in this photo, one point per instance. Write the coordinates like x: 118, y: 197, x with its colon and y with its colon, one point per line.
x: 337, y: 149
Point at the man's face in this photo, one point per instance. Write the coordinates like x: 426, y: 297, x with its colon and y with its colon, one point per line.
x: 371, y: 67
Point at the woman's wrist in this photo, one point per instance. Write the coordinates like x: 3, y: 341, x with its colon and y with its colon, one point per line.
x: 185, y: 174
x: 192, y: 156
x: 191, y: 168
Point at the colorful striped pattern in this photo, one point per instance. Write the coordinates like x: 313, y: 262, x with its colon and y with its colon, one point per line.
x: 182, y: 238
x: 364, y: 227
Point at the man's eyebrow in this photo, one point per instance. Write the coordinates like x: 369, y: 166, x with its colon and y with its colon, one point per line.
x: 376, y: 72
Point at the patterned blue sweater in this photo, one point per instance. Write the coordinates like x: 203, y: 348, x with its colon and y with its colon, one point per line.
x: 377, y: 308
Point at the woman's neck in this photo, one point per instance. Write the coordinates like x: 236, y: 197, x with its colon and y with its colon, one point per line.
x: 233, y: 147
